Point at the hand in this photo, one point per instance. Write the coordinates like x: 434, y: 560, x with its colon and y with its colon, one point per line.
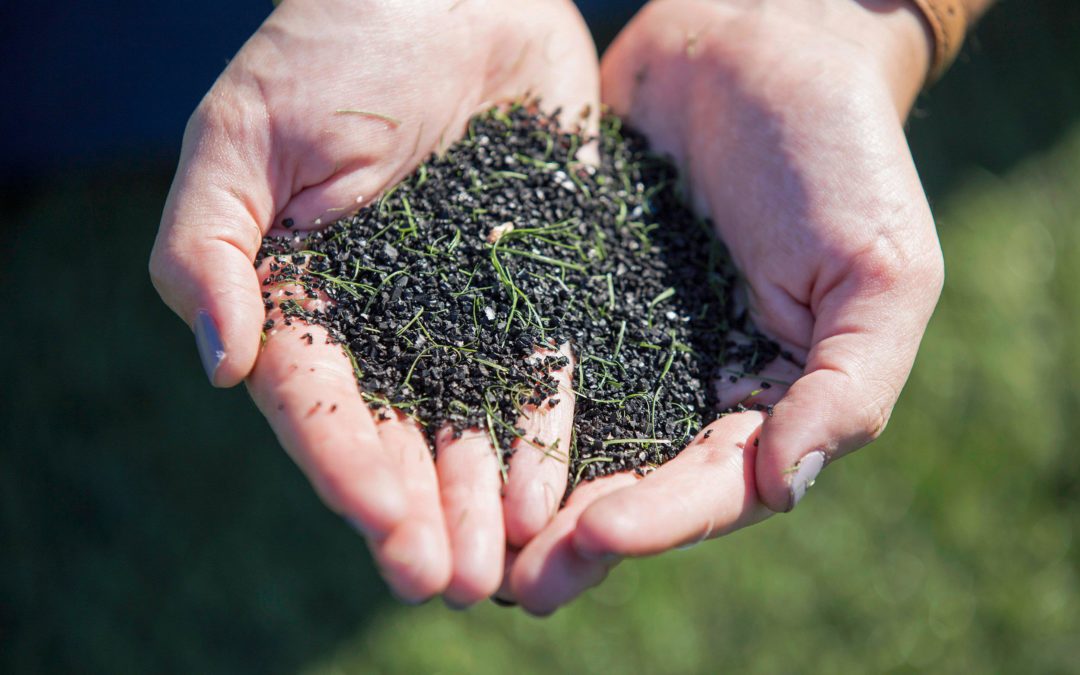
x: 325, y: 107
x: 786, y: 119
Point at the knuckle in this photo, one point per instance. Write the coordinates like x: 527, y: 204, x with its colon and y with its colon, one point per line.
x: 212, y: 114
x: 207, y: 118
x: 870, y: 400
x: 876, y: 412
x: 935, y: 271
x: 875, y: 419
x: 162, y: 272
x: 885, y: 261
x: 891, y: 261
x: 156, y: 269
x: 230, y: 115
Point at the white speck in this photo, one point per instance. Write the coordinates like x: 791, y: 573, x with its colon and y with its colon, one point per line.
x: 563, y: 181
x: 359, y: 199
x: 318, y: 221
x: 671, y: 316
x: 498, y: 231
x: 489, y: 313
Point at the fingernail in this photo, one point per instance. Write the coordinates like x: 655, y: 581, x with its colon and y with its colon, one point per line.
x: 208, y: 340
x: 806, y: 471
x: 503, y: 603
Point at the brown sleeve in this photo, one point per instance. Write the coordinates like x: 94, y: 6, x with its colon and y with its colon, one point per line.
x: 949, y: 21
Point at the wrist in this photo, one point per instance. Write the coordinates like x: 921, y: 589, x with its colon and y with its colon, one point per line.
x: 893, y: 35
x: 897, y: 34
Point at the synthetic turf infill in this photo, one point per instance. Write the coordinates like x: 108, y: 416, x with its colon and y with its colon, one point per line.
x: 444, y: 290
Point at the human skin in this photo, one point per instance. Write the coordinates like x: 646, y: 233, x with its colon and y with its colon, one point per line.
x: 270, y: 143
x: 786, y: 118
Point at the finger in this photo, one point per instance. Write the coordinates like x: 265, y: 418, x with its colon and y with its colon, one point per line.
x: 549, y: 572
x: 217, y: 210
x: 504, y: 596
x: 539, y: 466
x: 415, y: 557
x: 320, y: 205
x: 553, y: 57
x: 867, y: 328
x: 734, y: 386
x: 395, y: 466
x: 469, y: 485
x: 708, y: 490
x: 356, y: 156
x: 307, y: 390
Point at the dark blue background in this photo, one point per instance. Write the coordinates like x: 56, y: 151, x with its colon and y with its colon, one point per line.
x: 88, y: 81
x: 111, y: 83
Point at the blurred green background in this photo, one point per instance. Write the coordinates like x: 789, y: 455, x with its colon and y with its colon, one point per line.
x: 150, y: 524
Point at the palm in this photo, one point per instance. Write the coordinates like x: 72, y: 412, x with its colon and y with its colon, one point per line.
x: 799, y: 159
x: 325, y: 107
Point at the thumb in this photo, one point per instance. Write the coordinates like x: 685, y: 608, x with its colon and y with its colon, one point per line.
x: 867, y: 329
x: 211, y: 230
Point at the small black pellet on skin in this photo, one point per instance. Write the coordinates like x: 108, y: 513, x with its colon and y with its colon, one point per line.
x: 442, y: 290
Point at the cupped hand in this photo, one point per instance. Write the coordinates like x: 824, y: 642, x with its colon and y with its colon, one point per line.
x: 786, y: 120
x: 325, y: 107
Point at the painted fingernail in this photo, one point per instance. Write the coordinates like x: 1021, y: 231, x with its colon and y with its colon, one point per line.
x: 208, y: 340
x: 806, y: 471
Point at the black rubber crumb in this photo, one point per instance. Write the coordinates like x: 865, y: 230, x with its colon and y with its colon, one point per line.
x: 444, y: 289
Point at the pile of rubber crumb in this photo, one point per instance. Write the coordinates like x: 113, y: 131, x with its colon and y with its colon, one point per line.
x: 445, y: 289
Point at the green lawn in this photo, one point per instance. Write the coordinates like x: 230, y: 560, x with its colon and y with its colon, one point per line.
x: 149, y: 524
x: 950, y: 545
x: 152, y: 524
